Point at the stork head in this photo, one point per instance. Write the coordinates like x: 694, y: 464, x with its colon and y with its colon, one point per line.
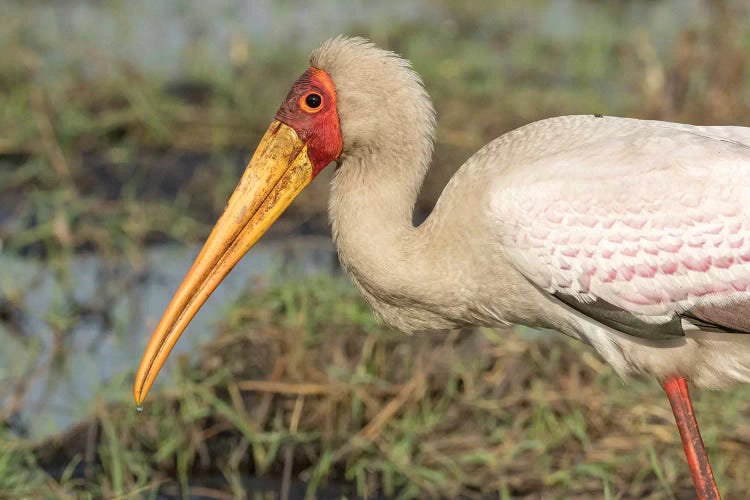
x: 352, y: 98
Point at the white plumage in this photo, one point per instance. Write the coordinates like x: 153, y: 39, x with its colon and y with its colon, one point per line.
x: 650, y: 218
x: 633, y: 236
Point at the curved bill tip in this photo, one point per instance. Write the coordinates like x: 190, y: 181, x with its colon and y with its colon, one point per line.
x: 279, y: 169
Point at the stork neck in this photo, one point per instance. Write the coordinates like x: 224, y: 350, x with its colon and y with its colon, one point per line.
x: 372, y: 201
x: 371, y: 208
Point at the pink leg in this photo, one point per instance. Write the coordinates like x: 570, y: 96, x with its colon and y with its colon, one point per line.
x: 703, y: 478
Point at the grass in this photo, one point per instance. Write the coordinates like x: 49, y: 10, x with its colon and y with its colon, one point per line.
x: 112, y: 162
x: 300, y: 388
x: 302, y: 379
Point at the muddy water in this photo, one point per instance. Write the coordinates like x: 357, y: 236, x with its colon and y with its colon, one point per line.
x: 73, y: 338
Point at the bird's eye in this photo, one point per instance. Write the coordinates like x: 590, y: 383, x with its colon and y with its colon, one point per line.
x: 313, y: 100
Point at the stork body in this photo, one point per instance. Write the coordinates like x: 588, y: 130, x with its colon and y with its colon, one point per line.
x: 641, y: 219
x: 630, y: 235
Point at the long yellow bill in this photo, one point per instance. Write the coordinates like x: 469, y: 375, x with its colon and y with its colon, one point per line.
x: 277, y: 172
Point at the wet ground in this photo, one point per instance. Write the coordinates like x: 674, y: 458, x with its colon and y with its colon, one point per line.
x: 75, y: 335
x: 131, y: 122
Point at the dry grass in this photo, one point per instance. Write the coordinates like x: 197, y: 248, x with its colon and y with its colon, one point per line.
x: 127, y: 159
x: 304, y: 381
x: 303, y: 384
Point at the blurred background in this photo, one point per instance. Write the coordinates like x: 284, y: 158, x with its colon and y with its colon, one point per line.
x: 124, y: 127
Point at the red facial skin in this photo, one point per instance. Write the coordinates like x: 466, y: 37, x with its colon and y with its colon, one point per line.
x: 317, y: 127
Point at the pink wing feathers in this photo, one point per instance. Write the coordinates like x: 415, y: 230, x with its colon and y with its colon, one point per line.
x: 653, y: 235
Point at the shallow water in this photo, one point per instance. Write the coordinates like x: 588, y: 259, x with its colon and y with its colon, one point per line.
x: 72, y: 336
x: 53, y: 372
